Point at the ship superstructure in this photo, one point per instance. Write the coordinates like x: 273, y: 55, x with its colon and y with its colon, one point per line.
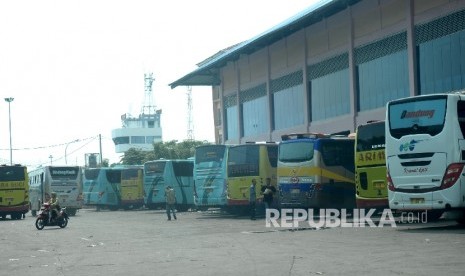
x: 142, y: 131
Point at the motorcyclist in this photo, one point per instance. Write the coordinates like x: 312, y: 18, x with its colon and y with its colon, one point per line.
x: 54, y: 207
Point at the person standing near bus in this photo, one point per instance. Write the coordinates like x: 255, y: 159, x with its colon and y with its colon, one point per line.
x: 170, y: 197
x: 253, y: 199
x: 268, y: 191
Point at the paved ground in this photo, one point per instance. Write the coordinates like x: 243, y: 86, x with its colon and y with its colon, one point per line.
x: 211, y: 243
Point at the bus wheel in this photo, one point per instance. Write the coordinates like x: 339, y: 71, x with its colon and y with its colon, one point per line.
x: 182, y: 208
x: 461, y: 219
x: 433, y: 215
x: 33, y: 213
x: 71, y: 212
x: 15, y: 216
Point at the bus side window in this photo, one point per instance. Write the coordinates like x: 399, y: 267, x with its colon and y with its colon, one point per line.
x: 461, y: 116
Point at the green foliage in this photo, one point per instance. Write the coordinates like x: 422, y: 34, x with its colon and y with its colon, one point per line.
x: 105, y: 163
x: 133, y: 156
x: 166, y: 150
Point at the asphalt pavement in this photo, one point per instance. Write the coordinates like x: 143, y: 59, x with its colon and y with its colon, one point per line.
x: 143, y: 242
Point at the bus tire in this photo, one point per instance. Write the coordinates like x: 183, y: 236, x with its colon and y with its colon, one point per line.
x: 434, y: 215
x: 461, y: 219
x: 16, y: 216
x: 71, y: 212
x: 33, y: 213
x: 202, y: 208
x: 182, y: 208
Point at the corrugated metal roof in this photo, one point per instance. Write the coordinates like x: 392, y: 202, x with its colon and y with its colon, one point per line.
x: 208, y: 72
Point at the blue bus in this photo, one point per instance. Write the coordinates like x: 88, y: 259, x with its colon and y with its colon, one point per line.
x: 316, y: 171
x: 102, y: 187
x: 178, y: 174
x: 210, y: 187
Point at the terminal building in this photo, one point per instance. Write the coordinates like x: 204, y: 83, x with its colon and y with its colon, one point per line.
x: 333, y: 66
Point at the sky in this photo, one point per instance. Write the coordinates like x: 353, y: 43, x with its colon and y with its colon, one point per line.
x: 74, y: 67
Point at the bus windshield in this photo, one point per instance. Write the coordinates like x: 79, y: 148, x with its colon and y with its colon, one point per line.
x: 130, y: 173
x: 113, y: 176
x: 417, y: 116
x: 338, y: 153
x: 154, y: 167
x: 296, y: 151
x: 210, y: 154
x: 12, y: 173
x: 91, y: 174
x: 243, y: 161
x: 183, y: 168
x: 371, y: 137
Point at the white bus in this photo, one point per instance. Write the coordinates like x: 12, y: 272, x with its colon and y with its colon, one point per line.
x: 425, y: 153
x: 66, y: 181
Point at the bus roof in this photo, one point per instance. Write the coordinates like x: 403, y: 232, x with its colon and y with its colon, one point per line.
x: 260, y: 143
x: 315, y: 135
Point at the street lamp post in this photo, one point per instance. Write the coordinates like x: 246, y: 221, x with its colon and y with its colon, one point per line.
x: 66, y: 148
x: 9, y: 100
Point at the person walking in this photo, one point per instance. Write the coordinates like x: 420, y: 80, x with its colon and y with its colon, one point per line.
x: 170, y: 197
x: 268, y: 191
x: 253, y: 199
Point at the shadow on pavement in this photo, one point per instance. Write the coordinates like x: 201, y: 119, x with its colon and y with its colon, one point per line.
x: 432, y: 227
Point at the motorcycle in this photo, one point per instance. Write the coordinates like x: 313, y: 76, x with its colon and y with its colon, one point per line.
x: 43, y: 219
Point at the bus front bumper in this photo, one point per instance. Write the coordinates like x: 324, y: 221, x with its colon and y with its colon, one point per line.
x: 437, y: 200
x: 369, y: 203
x: 19, y: 208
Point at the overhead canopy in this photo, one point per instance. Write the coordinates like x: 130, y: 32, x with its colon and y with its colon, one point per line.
x: 208, y: 72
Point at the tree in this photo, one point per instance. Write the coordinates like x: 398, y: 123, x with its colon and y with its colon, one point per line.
x: 176, y: 150
x: 162, y: 150
x: 133, y: 156
x: 186, y: 148
x: 105, y: 163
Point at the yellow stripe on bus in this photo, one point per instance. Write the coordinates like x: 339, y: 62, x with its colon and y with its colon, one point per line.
x: 12, y: 184
x: 312, y: 171
x: 368, y: 158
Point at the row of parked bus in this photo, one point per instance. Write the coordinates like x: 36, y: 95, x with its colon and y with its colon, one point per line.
x: 309, y: 171
x: 122, y: 187
x: 132, y: 187
x: 414, y: 160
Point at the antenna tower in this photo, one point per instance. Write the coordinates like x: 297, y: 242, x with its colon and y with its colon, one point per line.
x: 190, y: 124
x: 148, y: 107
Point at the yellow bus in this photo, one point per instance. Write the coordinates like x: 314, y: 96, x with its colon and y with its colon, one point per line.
x: 14, y: 191
x: 245, y: 162
x: 316, y: 171
x: 132, y: 187
x: 370, y: 166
